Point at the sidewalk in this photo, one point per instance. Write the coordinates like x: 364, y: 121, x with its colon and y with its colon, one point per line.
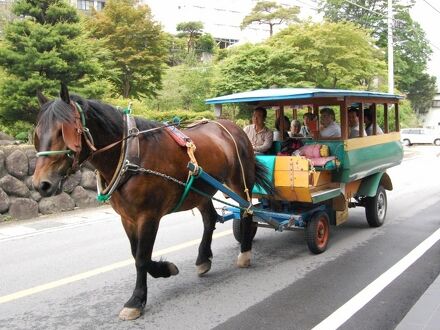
x: 425, y: 314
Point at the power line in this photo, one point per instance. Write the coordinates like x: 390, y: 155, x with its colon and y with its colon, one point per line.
x: 438, y: 11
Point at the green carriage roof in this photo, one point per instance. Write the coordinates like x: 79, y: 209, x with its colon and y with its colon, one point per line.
x: 276, y: 94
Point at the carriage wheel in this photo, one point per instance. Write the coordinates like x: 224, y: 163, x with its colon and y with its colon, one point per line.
x: 376, y: 208
x: 318, y: 232
x: 236, y: 230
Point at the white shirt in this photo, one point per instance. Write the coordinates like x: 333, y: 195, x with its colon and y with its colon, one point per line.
x: 332, y: 130
x: 261, y: 140
x: 370, y: 130
x: 354, y: 132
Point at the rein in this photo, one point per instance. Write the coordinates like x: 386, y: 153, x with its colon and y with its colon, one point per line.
x: 124, y: 165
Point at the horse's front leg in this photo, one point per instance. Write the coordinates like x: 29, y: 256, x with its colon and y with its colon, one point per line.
x: 246, y: 228
x: 142, y: 239
x: 209, y: 216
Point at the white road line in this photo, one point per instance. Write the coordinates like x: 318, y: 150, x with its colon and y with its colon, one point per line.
x: 346, y: 311
x: 101, y: 270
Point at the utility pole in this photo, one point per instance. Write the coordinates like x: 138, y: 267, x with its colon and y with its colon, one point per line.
x: 390, y: 49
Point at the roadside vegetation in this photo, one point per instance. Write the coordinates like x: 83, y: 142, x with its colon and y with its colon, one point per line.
x: 122, y: 55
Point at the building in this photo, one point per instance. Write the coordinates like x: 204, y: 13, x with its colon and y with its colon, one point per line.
x: 87, y: 5
x: 221, y: 19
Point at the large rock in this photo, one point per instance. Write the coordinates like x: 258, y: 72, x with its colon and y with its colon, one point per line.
x: 84, y: 198
x: 28, y: 182
x: 4, y: 136
x: 35, y: 195
x: 32, y: 159
x: 13, y: 186
x: 4, y: 201
x: 23, y: 208
x: 88, y: 180
x: 71, y: 182
x: 54, y: 204
x: 17, y: 164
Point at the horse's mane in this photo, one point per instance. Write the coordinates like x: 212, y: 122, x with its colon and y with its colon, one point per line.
x: 107, y: 118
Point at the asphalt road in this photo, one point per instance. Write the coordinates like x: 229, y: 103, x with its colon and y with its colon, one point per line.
x: 74, y: 271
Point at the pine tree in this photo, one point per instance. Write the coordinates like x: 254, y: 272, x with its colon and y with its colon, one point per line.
x: 44, y: 46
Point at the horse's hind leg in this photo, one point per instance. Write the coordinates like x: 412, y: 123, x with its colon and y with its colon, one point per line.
x: 246, y: 229
x: 142, y: 236
x: 209, y: 216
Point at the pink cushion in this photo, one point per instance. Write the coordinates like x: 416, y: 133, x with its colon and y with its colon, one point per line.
x: 310, y: 150
x: 321, y: 161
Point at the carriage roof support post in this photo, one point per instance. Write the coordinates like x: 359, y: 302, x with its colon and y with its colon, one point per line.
x: 217, y: 110
x: 385, y: 118
x: 343, y: 106
x: 374, y: 117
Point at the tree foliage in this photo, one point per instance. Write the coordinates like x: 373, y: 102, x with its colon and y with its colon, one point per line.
x: 40, y: 49
x: 271, y: 13
x: 185, y: 87
x: 421, y: 93
x: 411, y: 48
x: 191, y: 31
x: 328, y: 55
x: 137, y: 44
x: 251, y: 67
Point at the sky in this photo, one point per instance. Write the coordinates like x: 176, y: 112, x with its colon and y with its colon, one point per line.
x: 223, y: 18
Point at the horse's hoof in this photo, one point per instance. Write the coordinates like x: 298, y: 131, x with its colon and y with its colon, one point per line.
x: 244, y: 259
x: 128, y: 313
x: 173, y: 269
x: 203, y: 268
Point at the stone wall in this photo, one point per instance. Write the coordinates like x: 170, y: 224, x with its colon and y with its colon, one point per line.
x: 18, y: 198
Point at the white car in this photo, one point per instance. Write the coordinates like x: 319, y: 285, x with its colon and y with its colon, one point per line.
x: 409, y: 136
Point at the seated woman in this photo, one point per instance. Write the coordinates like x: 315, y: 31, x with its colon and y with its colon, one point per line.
x: 277, y: 133
x: 294, y: 142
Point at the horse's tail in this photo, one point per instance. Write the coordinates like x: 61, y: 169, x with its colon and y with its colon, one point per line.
x: 262, y: 177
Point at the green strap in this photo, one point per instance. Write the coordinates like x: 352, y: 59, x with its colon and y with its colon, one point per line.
x: 81, y: 113
x: 54, y: 152
x: 188, y: 185
x: 103, y: 198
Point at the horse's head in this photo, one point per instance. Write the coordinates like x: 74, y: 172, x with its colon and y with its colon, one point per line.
x: 57, y: 140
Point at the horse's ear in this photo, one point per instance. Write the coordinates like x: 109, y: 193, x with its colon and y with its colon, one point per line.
x: 41, y: 98
x: 64, y: 93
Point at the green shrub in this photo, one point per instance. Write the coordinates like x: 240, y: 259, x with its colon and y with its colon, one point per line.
x: 19, y: 130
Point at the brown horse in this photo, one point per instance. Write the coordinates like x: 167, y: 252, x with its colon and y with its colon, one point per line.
x: 143, y: 198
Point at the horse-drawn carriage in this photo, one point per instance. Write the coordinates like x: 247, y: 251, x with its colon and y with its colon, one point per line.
x: 144, y: 171
x: 315, y: 188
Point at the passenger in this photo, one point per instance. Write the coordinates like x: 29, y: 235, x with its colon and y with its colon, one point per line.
x: 329, y: 128
x: 353, y: 123
x: 294, y: 142
x: 309, y: 119
x: 260, y: 136
x: 278, y: 129
x: 368, y: 118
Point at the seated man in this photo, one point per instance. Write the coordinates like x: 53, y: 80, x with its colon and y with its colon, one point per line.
x: 309, y: 119
x: 368, y: 118
x: 353, y: 123
x: 260, y: 136
x: 329, y: 129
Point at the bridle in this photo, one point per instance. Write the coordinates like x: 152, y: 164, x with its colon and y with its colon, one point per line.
x: 72, y: 135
